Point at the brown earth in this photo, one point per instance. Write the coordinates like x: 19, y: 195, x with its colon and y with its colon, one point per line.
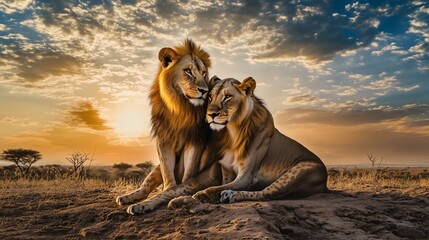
x: 86, y: 210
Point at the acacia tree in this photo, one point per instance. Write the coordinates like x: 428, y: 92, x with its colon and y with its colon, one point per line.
x: 145, y: 165
x: 77, y: 159
x: 22, y: 158
x: 121, y: 168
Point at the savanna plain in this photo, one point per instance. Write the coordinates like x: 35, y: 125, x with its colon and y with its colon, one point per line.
x: 56, y: 202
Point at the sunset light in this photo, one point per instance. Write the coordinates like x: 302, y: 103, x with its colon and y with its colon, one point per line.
x: 219, y: 119
x: 130, y: 123
x: 345, y: 78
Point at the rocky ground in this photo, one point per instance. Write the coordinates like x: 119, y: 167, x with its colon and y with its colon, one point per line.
x: 88, y: 211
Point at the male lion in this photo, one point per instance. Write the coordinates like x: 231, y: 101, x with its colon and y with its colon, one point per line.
x: 257, y: 161
x: 178, y: 122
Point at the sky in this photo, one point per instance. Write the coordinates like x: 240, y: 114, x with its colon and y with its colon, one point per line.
x: 344, y: 78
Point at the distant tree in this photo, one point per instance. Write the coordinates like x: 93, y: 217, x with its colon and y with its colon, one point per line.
x: 77, y: 159
x: 22, y: 158
x: 122, y: 167
x: 376, y: 173
x: 373, y: 159
x: 145, y: 165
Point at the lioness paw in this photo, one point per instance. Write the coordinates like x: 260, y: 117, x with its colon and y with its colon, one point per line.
x: 120, y: 200
x: 227, y: 196
x: 182, y: 201
x: 205, y: 196
x: 137, y: 209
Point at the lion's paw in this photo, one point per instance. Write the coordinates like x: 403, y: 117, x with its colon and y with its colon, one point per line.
x: 121, y: 200
x: 182, y: 201
x: 203, y: 196
x: 227, y: 196
x: 137, y: 209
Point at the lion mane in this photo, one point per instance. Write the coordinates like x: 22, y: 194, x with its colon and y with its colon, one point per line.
x: 175, y: 119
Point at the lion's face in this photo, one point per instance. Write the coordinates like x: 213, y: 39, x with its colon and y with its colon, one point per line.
x: 229, y: 101
x: 192, y: 80
x: 187, y: 75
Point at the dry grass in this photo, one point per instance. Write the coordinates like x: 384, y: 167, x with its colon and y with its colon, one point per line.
x: 378, y: 180
x: 64, y: 206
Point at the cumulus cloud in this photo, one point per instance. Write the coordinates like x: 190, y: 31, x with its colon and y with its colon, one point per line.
x: 269, y: 31
x: 11, y: 6
x: 314, y: 31
x: 32, y: 62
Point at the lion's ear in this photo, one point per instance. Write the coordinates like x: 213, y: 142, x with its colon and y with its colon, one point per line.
x: 215, y: 79
x: 166, y: 56
x: 248, y: 85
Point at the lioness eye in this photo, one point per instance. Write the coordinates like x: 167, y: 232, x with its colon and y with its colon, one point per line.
x: 210, y: 98
x: 227, y: 97
x: 204, y: 74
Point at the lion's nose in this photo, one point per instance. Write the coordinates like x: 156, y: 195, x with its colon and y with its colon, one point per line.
x: 213, y: 115
x: 202, y: 90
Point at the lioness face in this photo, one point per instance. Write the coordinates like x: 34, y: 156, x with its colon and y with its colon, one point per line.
x: 189, y: 74
x: 229, y: 101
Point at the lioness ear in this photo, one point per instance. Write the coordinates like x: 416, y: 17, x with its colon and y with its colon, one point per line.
x: 166, y: 56
x: 213, y: 81
x: 248, y: 85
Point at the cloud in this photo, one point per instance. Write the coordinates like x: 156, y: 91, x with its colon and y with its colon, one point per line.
x: 364, y: 103
x: 351, y: 117
x: 22, y: 122
x: 32, y: 62
x: 418, y: 22
x: 11, y: 6
x: 347, y: 91
x: 359, y: 77
x: 306, y: 99
x: 85, y: 114
x: 399, y: 135
x: 312, y: 32
x: 387, y: 82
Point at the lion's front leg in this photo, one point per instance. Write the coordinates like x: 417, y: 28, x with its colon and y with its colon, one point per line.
x: 192, y: 155
x: 152, y: 181
x: 207, y: 178
x: 167, y: 161
x: 212, y: 194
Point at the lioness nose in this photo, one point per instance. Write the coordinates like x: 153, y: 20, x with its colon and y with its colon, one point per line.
x: 202, y: 90
x: 213, y: 115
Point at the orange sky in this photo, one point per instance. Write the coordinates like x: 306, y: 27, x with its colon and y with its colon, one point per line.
x: 344, y: 79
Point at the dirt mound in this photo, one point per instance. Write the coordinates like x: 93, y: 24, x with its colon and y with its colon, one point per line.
x: 81, y: 213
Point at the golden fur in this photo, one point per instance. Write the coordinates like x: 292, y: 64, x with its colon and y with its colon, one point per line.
x: 255, y: 162
x: 173, y: 116
x: 261, y: 158
x: 178, y: 99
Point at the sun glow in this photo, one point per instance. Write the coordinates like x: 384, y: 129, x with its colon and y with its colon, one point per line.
x: 130, y: 122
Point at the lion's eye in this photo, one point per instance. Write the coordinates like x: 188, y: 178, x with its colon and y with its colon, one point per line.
x: 204, y: 74
x: 227, y: 97
x: 188, y: 72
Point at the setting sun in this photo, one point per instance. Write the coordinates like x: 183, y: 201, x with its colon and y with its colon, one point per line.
x: 130, y: 122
